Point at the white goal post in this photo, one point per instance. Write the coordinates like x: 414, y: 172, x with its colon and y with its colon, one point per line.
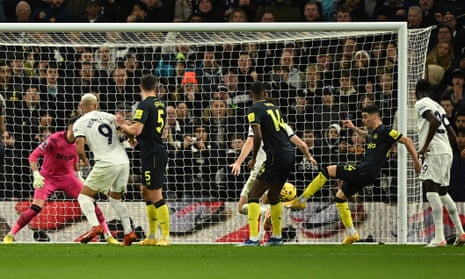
x: 201, y: 197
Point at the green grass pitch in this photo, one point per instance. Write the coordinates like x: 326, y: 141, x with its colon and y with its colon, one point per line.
x: 227, y: 261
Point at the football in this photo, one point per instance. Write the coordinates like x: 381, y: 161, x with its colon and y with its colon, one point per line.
x: 288, y: 192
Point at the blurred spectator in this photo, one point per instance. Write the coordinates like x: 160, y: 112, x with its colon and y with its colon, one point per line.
x: 441, y: 34
x: 105, y: 62
x: 348, y: 93
x: 457, y: 32
x: 312, y: 12
x: 174, y: 130
x: 184, y: 117
x: 300, y: 112
x: 86, y: 81
x: 23, y: 12
x: 329, y: 111
x: 394, y: 9
x: 182, y: 10
x: 191, y: 94
x: 313, y: 85
x: 442, y: 55
x: 282, y: 10
x: 248, y: 6
x: 386, y: 98
x: 92, y: 13
x: 459, y: 121
x: 457, y: 175
x: 457, y: 90
x: 116, y: 10
x: 56, y: 11
x: 343, y: 14
x: 10, y: 91
x: 414, y: 17
x: 27, y: 116
x: 238, y: 15
x: 448, y: 106
x: 209, y: 73
x: 356, y: 9
x: 159, y: 10
x: 266, y: 16
x: 119, y: 91
x: 431, y: 12
x: 230, y: 185
x: 139, y: 13
x: 246, y: 73
x: 221, y: 124
x: 435, y: 75
x: 133, y: 69
x: 210, y: 10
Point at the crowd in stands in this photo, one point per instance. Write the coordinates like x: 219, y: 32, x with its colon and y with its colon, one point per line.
x: 316, y: 84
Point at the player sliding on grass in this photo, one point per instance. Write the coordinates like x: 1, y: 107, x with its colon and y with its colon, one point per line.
x: 59, y: 172
x: 434, y: 134
x: 379, y: 140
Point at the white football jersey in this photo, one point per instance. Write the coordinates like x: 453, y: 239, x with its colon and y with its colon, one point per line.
x: 440, y: 142
x: 99, y: 130
x: 261, y: 156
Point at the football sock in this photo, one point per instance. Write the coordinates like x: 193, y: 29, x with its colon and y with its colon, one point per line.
x: 316, y: 184
x: 88, y: 208
x: 263, y: 209
x: 101, y: 220
x: 276, y: 215
x: 436, y: 206
x: 25, y: 218
x: 163, y: 214
x: 252, y: 217
x: 346, y: 216
x: 152, y: 220
x: 122, y: 213
x: 454, y: 216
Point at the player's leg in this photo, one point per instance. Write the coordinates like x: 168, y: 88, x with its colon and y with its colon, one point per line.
x: 87, y: 203
x: 119, y: 184
x: 253, y: 212
x: 38, y: 201
x: 153, y: 192
x: 276, y: 212
x: 449, y: 203
x: 432, y: 195
x: 72, y: 187
x: 317, y: 183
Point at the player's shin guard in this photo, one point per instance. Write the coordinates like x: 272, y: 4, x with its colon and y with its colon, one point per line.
x: 25, y: 218
x: 152, y: 220
x: 163, y: 214
x: 276, y: 210
x: 122, y: 213
x: 314, y: 186
x: 345, y: 214
x: 452, y: 210
x: 252, y: 217
x: 436, y: 207
x: 88, y: 208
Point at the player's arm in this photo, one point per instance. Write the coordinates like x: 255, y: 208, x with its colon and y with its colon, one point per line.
x: 347, y: 123
x: 303, y: 147
x: 131, y: 130
x: 257, y: 141
x: 434, y: 124
x: 38, y: 152
x: 412, y: 151
x: 245, y: 151
x: 81, y: 150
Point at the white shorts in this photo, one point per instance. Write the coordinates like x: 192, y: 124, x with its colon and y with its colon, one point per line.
x: 436, y: 167
x: 106, y: 179
x: 250, y: 181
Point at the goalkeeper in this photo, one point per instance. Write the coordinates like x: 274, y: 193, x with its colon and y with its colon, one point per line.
x: 59, y: 172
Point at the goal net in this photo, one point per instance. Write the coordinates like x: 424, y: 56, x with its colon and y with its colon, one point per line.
x: 318, y: 75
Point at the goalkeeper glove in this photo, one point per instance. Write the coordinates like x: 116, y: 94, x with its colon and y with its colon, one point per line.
x: 38, y: 180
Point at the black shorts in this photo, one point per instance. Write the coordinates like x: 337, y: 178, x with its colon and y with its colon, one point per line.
x: 354, y: 179
x: 154, y: 167
x: 276, y: 168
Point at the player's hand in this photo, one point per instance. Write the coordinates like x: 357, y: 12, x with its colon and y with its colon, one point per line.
x: 38, y: 180
x: 347, y: 123
x: 313, y: 161
x: 132, y: 141
x: 119, y: 118
x: 251, y: 164
x: 84, y: 163
x: 235, y: 168
x: 79, y: 176
x: 417, y: 165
